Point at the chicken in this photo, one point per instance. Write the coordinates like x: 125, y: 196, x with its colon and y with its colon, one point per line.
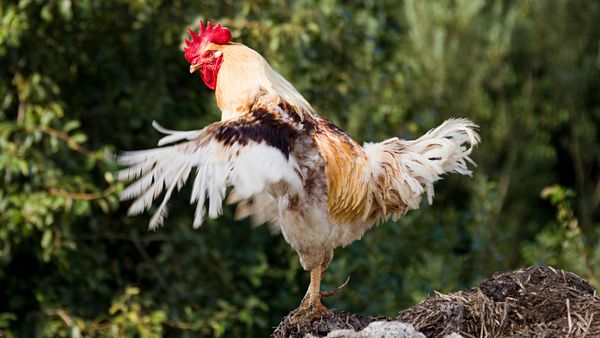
x: 286, y: 166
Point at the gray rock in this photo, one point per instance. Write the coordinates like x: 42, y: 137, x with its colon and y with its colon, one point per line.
x: 453, y: 335
x: 379, y: 329
x: 382, y: 329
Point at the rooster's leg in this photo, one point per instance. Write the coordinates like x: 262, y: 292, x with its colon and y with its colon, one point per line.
x: 311, y: 306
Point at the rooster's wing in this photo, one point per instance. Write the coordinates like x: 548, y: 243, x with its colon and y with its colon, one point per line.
x: 250, y: 154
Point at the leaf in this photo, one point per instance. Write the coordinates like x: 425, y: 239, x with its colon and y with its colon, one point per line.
x: 65, y: 9
x: 79, y: 138
x: 104, y: 205
x: 71, y: 125
x: 46, y: 239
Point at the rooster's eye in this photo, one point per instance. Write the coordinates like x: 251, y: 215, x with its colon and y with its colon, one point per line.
x: 208, y: 54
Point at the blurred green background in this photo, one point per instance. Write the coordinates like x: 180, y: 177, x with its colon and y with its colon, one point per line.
x: 80, y: 80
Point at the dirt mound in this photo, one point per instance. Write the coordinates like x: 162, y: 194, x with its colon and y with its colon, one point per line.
x: 534, y: 302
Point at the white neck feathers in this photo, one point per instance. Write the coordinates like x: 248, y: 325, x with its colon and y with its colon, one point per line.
x: 243, y: 74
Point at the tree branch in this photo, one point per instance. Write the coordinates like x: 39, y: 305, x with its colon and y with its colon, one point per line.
x: 68, y: 139
x: 81, y: 195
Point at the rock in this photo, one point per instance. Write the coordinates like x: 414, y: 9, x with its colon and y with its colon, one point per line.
x: 379, y: 329
x: 453, y: 335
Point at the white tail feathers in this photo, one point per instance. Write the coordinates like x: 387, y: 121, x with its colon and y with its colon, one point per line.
x: 404, y: 170
x: 455, y: 140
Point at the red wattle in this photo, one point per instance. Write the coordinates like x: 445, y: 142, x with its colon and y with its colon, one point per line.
x: 209, y: 76
x: 209, y: 73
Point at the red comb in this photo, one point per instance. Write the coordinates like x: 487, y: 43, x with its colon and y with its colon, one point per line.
x: 217, y: 34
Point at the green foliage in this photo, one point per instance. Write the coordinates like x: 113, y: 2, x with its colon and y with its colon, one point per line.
x: 82, y: 80
x: 125, y: 319
x: 564, y: 243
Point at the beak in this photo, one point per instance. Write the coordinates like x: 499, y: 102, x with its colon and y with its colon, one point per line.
x: 195, y: 67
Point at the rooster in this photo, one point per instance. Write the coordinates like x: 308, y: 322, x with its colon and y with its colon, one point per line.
x: 285, y: 165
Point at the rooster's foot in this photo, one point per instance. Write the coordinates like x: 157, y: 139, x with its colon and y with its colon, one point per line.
x: 308, y: 312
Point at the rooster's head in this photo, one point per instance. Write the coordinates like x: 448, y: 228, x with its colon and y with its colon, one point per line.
x: 203, y: 51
